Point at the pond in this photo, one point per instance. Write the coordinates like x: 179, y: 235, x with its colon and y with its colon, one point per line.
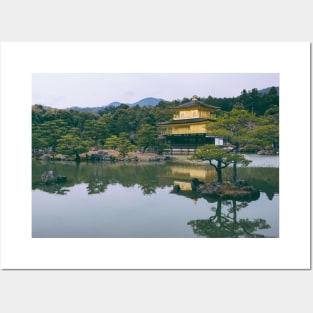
x: 135, y: 200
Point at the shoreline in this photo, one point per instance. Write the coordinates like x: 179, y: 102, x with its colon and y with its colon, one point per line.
x: 105, y: 155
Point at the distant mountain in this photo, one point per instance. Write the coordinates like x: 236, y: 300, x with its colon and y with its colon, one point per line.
x: 41, y: 106
x: 114, y: 104
x: 150, y: 101
x: 87, y: 109
x: 94, y: 109
x: 267, y: 90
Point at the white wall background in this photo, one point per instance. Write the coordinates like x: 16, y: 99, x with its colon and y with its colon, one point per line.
x: 155, y: 291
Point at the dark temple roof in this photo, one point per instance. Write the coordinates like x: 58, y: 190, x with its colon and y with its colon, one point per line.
x: 189, y: 120
x: 194, y: 103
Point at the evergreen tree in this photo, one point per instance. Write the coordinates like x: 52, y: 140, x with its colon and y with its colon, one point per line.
x: 71, y: 144
x: 147, y: 136
x: 218, y: 158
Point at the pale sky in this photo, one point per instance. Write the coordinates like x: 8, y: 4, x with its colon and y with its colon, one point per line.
x: 95, y: 90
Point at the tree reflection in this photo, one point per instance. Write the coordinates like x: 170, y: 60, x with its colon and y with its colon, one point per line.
x: 148, y: 177
x: 98, y: 177
x: 226, y: 225
x: 148, y: 189
x: 55, y: 189
x: 96, y: 185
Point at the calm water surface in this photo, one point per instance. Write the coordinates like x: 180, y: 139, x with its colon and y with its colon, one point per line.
x: 102, y: 200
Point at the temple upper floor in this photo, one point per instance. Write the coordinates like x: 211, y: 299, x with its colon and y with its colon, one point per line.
x: 194, y: 109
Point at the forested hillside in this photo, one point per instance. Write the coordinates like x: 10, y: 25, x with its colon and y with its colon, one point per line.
x: 70, y: 131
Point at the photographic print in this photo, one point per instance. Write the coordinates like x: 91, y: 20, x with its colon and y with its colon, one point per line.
x: 155, y: 155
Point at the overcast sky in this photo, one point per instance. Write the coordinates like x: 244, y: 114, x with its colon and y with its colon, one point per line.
x: 94, y: 90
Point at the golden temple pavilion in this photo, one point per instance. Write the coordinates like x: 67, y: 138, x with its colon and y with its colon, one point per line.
x: 188, y: 128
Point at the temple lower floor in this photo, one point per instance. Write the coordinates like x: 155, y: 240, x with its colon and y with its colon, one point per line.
x: 187, y: 141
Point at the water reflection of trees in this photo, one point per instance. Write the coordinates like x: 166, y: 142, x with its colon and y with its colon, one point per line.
x: 96, y: 185
x: 99, y: 176
x: 149, y: 177
x: 266, y: 179
x: 226, y: 224
x: 59, y: 189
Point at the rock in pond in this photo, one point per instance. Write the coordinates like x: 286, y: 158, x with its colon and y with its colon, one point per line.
x: 240, y: 190
x: 47, y: 177
x: 195, y: 182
